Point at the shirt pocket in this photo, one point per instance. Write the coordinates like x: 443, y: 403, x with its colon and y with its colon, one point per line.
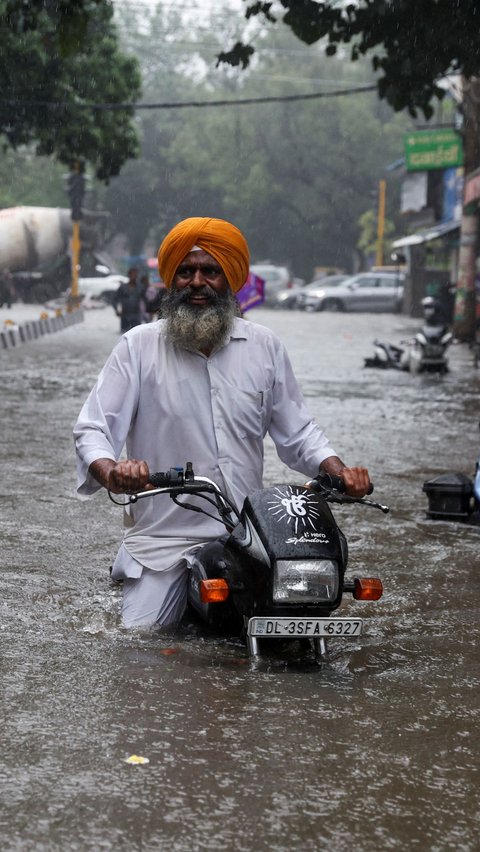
x: 246, y: 412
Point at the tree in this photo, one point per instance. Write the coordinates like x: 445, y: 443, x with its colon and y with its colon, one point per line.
x: 27, y: 179
x: 294, y: 176
x: 58, y: 57
x: 368, y: 240
x: 412, y: 43
x: 171, y: 178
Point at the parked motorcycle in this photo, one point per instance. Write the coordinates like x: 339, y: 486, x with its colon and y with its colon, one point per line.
x: 279, y: 570
x: 425, y: 352
x: 387, y: 356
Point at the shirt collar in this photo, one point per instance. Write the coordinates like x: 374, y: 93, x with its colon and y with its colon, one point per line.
x: 239, y: 329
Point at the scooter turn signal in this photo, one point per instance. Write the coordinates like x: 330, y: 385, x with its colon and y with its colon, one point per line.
x: 367, y: 588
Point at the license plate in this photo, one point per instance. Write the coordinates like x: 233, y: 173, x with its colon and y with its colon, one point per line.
x: 272, y: 628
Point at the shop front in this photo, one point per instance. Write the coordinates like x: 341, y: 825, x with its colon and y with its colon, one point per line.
x: 430, y: 261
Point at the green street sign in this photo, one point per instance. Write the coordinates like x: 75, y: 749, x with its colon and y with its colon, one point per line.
x: 433, y: 149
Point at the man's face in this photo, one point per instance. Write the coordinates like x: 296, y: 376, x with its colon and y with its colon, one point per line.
x: 200, y: 272
x: 199, y: 307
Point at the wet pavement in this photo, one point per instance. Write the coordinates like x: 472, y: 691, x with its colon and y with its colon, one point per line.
x: 375, y: 749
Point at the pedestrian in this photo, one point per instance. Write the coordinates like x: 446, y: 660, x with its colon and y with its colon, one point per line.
x: 7, y: 288
x: 152, y: 297
x: 154, y: 304
x: 200, y: 384
x: 145, y: 289
x: 128, y: 302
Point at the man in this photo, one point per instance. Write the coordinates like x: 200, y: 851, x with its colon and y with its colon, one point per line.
x: 7, y: 288
x: 200, y: 384
x: 128, y: 302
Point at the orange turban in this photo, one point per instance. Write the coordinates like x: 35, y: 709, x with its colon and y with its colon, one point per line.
x: 215, y: 236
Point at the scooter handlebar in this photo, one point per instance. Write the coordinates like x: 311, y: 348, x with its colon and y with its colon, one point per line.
x: 331, y: 482
x: 179, y: 480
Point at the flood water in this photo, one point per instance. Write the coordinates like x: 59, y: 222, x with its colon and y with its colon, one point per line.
x: 375, y: 749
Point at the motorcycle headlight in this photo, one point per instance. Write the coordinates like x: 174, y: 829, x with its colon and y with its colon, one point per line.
x: 309, y: 580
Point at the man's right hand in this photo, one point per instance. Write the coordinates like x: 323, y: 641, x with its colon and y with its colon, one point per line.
x: 123, y: 477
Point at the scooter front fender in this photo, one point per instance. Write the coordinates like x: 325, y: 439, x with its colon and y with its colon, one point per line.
x: 211, y: 562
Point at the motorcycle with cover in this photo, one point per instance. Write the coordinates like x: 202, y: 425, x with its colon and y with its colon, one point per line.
x: 279, y: 571
x: 425, y: 352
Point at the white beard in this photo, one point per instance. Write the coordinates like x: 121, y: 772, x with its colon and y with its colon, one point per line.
x: 198, y: 328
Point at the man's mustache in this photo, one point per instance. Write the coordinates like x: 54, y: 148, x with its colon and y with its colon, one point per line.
x: 179, y: 297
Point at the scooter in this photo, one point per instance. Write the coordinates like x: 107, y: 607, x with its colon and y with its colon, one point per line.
x: 387, y: 356
x: 278, y: 573
x: 425, y: 352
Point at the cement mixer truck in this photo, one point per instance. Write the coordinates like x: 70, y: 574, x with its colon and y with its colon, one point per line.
x: 35, y: 249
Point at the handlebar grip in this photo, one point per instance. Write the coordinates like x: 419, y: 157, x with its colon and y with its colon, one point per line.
x: 159, y: 480
x: 329, y: 480
x: 175, y: 476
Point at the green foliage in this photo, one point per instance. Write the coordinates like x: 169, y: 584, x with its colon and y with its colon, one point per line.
x: 412, y: 43
x: 239, y: 55
x: 57, y: 56
x: 144, y: 199
x: 368, y: 240
x: 294, y: 176
x: 26, y: 179
x: 67, y: 20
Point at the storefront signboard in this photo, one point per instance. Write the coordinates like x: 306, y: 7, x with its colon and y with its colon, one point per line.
x: 433, y: 149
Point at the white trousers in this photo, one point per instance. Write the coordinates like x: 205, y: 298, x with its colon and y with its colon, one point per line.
x: 156, y: 597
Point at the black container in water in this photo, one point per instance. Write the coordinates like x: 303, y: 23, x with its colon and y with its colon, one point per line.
x: 449, y: 496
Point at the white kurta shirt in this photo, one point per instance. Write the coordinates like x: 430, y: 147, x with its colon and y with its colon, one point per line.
x: 169, y: 406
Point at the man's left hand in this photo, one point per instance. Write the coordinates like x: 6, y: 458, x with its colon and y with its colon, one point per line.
x: 357, y: 481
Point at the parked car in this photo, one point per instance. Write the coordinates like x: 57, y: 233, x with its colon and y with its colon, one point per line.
x: 288, y: 298
x: 276, y: 278
x: 102, y: 287
x: 367, y: 291
x: 324, y: 281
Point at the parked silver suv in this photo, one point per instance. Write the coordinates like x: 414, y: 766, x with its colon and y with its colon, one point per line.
x: 367, y: 291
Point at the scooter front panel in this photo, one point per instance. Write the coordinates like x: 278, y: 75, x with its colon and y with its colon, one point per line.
x: 292, y: 522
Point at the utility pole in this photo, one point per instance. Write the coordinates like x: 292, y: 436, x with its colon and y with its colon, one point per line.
x: 76, y: 191
x: 382, y: 185
x: 464, y: 323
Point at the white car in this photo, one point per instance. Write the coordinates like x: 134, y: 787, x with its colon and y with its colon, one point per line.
x: 101, y: 287
x: 367, y: 291
x: 276, y: 278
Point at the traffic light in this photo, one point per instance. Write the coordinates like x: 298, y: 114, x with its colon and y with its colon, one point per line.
x: 76, y: 191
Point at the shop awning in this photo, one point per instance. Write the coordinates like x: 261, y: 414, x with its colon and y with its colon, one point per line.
x: 427, y: 235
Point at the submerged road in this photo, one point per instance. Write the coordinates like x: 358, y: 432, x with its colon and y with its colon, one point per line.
x: 375, y: 749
